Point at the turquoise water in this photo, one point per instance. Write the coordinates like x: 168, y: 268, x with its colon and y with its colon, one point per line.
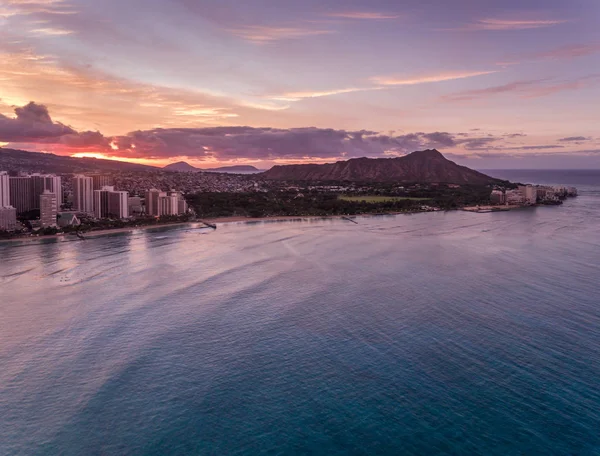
x: 441, y: 333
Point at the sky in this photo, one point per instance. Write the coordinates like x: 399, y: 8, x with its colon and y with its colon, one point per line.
x: 489, y: 83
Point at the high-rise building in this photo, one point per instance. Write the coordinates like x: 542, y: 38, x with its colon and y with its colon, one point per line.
x: 25, y: 191
x: 152, y: 204
x: 162, y: 203
x: 498, y: 197
x: 8, y: 218
x: 529, y: 193
x: 21, y: 197
x: 118, y: 204
x: 109, y: 203
x: 135, y: 205
x: 182, y: 206
x: 4, y: 189
x: 48, y: 209
x: 83, y: 194
x: 168, y: 204
x: 101, y: 180
x: 42, y: 182
x: 178, y: 203
x: 101, y: 201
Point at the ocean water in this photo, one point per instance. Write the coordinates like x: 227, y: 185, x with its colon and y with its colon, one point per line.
x: 441, y: 333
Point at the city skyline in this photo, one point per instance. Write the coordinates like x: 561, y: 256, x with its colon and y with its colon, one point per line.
x: 494, y: 84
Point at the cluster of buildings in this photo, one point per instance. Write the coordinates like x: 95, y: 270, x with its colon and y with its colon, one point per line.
x: 21, y: 194
x: 8, y: 214
x: 92, y: 196
x: 527, y: 195
x: 138, y: 182
x: 164, y: 203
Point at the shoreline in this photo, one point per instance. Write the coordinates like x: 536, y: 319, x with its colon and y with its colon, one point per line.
x: 239, y: 219
x: 214, y: 220
x: 92, y: 234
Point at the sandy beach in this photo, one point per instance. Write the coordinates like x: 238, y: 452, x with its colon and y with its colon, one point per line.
x: 492, y: 208
x: 233, y: 219
x: 96, y: 233
x: 199, y: 223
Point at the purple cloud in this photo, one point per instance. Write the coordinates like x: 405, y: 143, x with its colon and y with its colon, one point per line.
x: 525, y: 89
x: 226, y: 143
x: 31, y: 124
x: 575, y: 139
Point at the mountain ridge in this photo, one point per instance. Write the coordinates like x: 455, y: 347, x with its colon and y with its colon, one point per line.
x: 18, y: 160
x: 426, y: 166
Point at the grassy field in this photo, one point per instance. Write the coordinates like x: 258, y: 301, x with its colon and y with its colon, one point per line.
x: 378, y: 199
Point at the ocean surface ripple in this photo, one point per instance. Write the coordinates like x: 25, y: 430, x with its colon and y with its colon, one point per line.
x: 441, y: 333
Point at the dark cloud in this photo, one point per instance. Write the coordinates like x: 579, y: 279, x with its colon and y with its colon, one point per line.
x: 32, y: 123
x: 442, y: 138
x: 478, y: 143
x: 33, y: 126
x: 226, y: 143
x: 574, y: 139
x: 93, y: 140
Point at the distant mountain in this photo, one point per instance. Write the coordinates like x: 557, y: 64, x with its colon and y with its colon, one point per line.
x: 427, y: 166
x: 180, y: 166
x: 237, y: 169
x: 20, y: 160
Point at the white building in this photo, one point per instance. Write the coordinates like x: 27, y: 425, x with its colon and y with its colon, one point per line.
x: 152, y: 204
x: 118, y: 204
x: 169, y: 205
x: 42, y: 182
x: 110, y: 203
x: 8, y: 219
x: 83, y: 194
x: 162, y: 203
x: 497, y: 197
x: 529, y: 193
x: 48, y: 209
x: 4, y: 189
x: 135, y: 205
x: 101, y: 180
x: 514, y: 197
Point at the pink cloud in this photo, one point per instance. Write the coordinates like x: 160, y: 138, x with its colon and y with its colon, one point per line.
x: 524, y: 89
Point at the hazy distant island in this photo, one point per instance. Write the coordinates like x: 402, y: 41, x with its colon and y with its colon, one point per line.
x: 236, y: 169
x: 139, y: 195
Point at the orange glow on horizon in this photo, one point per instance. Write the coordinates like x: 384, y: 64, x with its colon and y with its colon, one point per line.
x: 206, y: 164
x: 139, y: 161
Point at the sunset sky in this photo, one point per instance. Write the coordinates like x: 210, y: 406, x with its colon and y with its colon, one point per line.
x: 490, y: 83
